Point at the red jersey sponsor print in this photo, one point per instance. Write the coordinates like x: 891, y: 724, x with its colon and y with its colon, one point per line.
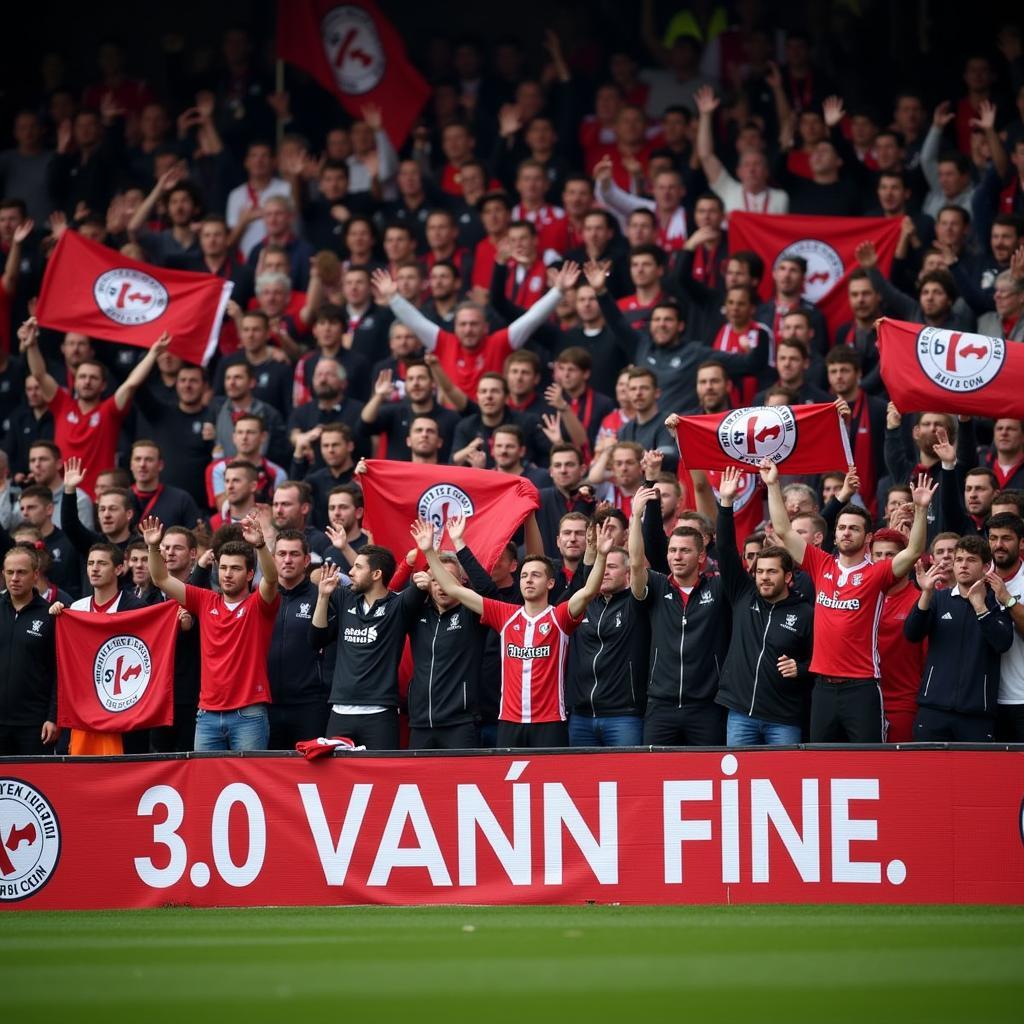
x: 533, y: 653
x: 234, y: 641
x: 848, y: 606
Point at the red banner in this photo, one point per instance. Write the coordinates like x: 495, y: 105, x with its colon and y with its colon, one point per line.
x: 494, y: 504
x: 94, y: 290
x: 354, y: 52
x: 930, y: 369
x: 798, y: 826
x: 798, y: 439
x: 827, y: 243
x: 115, y: 673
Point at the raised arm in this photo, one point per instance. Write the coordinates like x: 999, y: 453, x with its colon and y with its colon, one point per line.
x: 924, y: 491
x: 28, y: 343
x: 124, y: 394
x: 385, y: 288
x: 730, y: 565
x: 252, y: 533
x: 164, y: 183
x: 707, y: 104
x: 605, y: 542
x: 12, y: 267
x: 423, y: 534
x: 791, y: 540
x: 637, y: 561
x: 152, y: 531
x: 618, y: 200
x: 521, y: 330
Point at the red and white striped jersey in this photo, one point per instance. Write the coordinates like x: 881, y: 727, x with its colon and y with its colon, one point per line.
x: 533, y: 653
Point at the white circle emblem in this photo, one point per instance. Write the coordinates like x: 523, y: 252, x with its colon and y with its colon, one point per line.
x: 439, y: 503
x: 130, y: 297
x: 121, y: 672
x: 824, y: 266
x: 959, y: 362
x: 29, y: 840
x: 353, y: 49
x: 762, y: 432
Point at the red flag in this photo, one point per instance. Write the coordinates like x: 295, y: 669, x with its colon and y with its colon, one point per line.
x: 116, y: 672
x: 354, y: 52
x: 495, y: 504
x: 827, y: 243
x: 799, y: 439
x: 931, y: 369
x: 94, y: 290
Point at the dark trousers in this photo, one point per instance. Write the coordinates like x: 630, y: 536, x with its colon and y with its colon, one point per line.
x: 292, y: 723
x: 1010, y: 723
x: 22, y: 741
x: 934, y: 726
x: 695, y: 724
x: 847, y: 711
x: 444, y: 737
x: 534, y: 734
x: 180, y: 736
x: 375, y: 732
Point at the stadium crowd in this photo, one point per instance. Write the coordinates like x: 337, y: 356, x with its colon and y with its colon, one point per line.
x: 536, y: 284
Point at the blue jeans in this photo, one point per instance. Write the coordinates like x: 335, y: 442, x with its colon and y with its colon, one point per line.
x: 743, y: 731
x: 245, y: 728
x: 608, y: 731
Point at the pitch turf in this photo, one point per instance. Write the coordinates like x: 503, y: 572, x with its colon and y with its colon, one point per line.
x: 524, y: 964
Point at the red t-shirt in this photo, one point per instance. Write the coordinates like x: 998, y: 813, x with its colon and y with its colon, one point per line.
x: 91, y: 436
x: 234, y: 643
x: 902, y: 662
x: 848, y: 607
x: 466, y: 366
x: 533, y: 653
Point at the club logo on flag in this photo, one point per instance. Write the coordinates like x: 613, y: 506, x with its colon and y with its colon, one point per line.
x: 762, y: 432
x: 439, y: 503
x: 824, y: 266
x: 121, y: 672
x: 959, y: 362
x: 29, y: 840
x: 130, y: 297
x: 353, y: 48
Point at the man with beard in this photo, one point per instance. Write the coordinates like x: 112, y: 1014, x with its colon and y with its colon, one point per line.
x: 293, y: 502
x: 847, y: 698
x: 860, y: 333
x: 565, y: 495
x: 765, y: 676
x: 330, y: 404
x: 445, y: 284
x: 1006, y: 578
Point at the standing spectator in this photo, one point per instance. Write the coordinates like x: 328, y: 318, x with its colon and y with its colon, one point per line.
x: 25, y: 168
x: 235, y: 627
x: 36, y: 505
x: 245, y: 203
x: 336, y: 453
x: 279, y: 223
x: 241, y: 403
x: 168, y: 503
x: 1005, y: 533
x: 83, y: 174
x: 847, y: 698
x: 967, y: 632
x: 46, y: 468
x: 373, y: 162
x: 291, y: 508
x: 344, y: 525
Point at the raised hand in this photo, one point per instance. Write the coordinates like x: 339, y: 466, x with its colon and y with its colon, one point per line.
x: 384, y: 285
x: 943, y: 114
x: 729, y: 484
x: 832, y: 110
x: 162, y: 343
x: 330, y: 577
x: 456, y: 527
x: 651, y: 462
x: 567, y: 276
x: 944, y: 449
x: 1017, y: 264
x: 893, y: 417
x: 74, y: 472
x: 509, y: 120
x: 931, y: 578
x: 769, y: 471
x: 252, y: 531
x: 867, y: 255
x: 977, y: 594
x: 596, y: 273
x: 335, y: 536
x: 843, y: 408
x: 773, y: 77
x: 551, y: 425
x: 152, y: 530
x: 851, y: 484
x: 603, y: 169
x: 606, y: 537
x: 373, y: 116
x: 28, y: 334
x: 555, y: 397
x: 672, y: 422
x: 23, y: 230
x: 924, y: 491
x: 423, y: 534
x: 706, y: 100
x: 986, y: 119
x: 384, y: 384
x: 996, y: 582
x: 642, y: 497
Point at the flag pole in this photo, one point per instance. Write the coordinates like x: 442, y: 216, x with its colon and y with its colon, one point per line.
x: 279, y: 88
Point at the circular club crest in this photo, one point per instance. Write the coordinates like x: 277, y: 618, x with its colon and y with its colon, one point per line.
x: 121, y: 672
x: 353, y: 48
x: 130, y: 297
x: 763, y: 432
x: 824, y: 266
x: 959, y: 362
x: 29, y: 840
x: 439, y: 503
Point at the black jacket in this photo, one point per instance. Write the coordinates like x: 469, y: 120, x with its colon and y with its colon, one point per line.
x: 294, y: 666
x: 28, y: 664
x: 608, y: 658
x: 962, y: 670
x: 447, y: 650
x: 761, y: 634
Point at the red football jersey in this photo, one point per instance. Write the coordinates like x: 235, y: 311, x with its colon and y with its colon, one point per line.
x: 92, y: 436
x: 848, y: 606
x: 533, y: 653
x: 902, y: 661
x: 234, y: 643
x: 466, y: 366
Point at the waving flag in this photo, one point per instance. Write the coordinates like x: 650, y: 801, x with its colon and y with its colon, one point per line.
x: 801, y: 439
x: 115, y: 673
x: 354, y: 52
x: 94, y: 290
x: 494, y: 504
x: 827, y: 243
x: 931, y: 369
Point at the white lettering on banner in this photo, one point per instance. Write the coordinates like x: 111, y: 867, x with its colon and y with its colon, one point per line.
x: 602, y: 855
x: 765, y: 806
x: 408, y: 806
x: 335, y: 857
x: 676, y: 829
x: 846, y: 830
x: 474, y: 812
x: 239, y: 875
x: 166, y: 834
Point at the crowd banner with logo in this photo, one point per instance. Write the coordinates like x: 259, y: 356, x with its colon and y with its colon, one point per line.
x: 94, y: 290
x: 664, y: 827
x: 931, y: 369
x: 116, y: 673
x: 800, y: 439
x: 494, y: 504
x: 354, y: 52
x: 827, y: 243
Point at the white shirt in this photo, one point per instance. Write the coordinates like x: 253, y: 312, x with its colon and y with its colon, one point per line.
x: 1011, y: 665
x: 735, y: 197
x: 240, y: 200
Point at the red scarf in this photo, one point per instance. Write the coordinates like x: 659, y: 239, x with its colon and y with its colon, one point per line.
x: 730, y: 340
x: 863, y: 451
x: 1002, y: 477
x: 147, y: 504
x: 705, y: 265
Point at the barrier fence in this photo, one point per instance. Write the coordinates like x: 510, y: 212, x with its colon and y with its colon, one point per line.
x: 818, y: 825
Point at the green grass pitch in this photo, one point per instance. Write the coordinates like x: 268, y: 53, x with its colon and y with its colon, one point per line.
x: 523, y: 964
